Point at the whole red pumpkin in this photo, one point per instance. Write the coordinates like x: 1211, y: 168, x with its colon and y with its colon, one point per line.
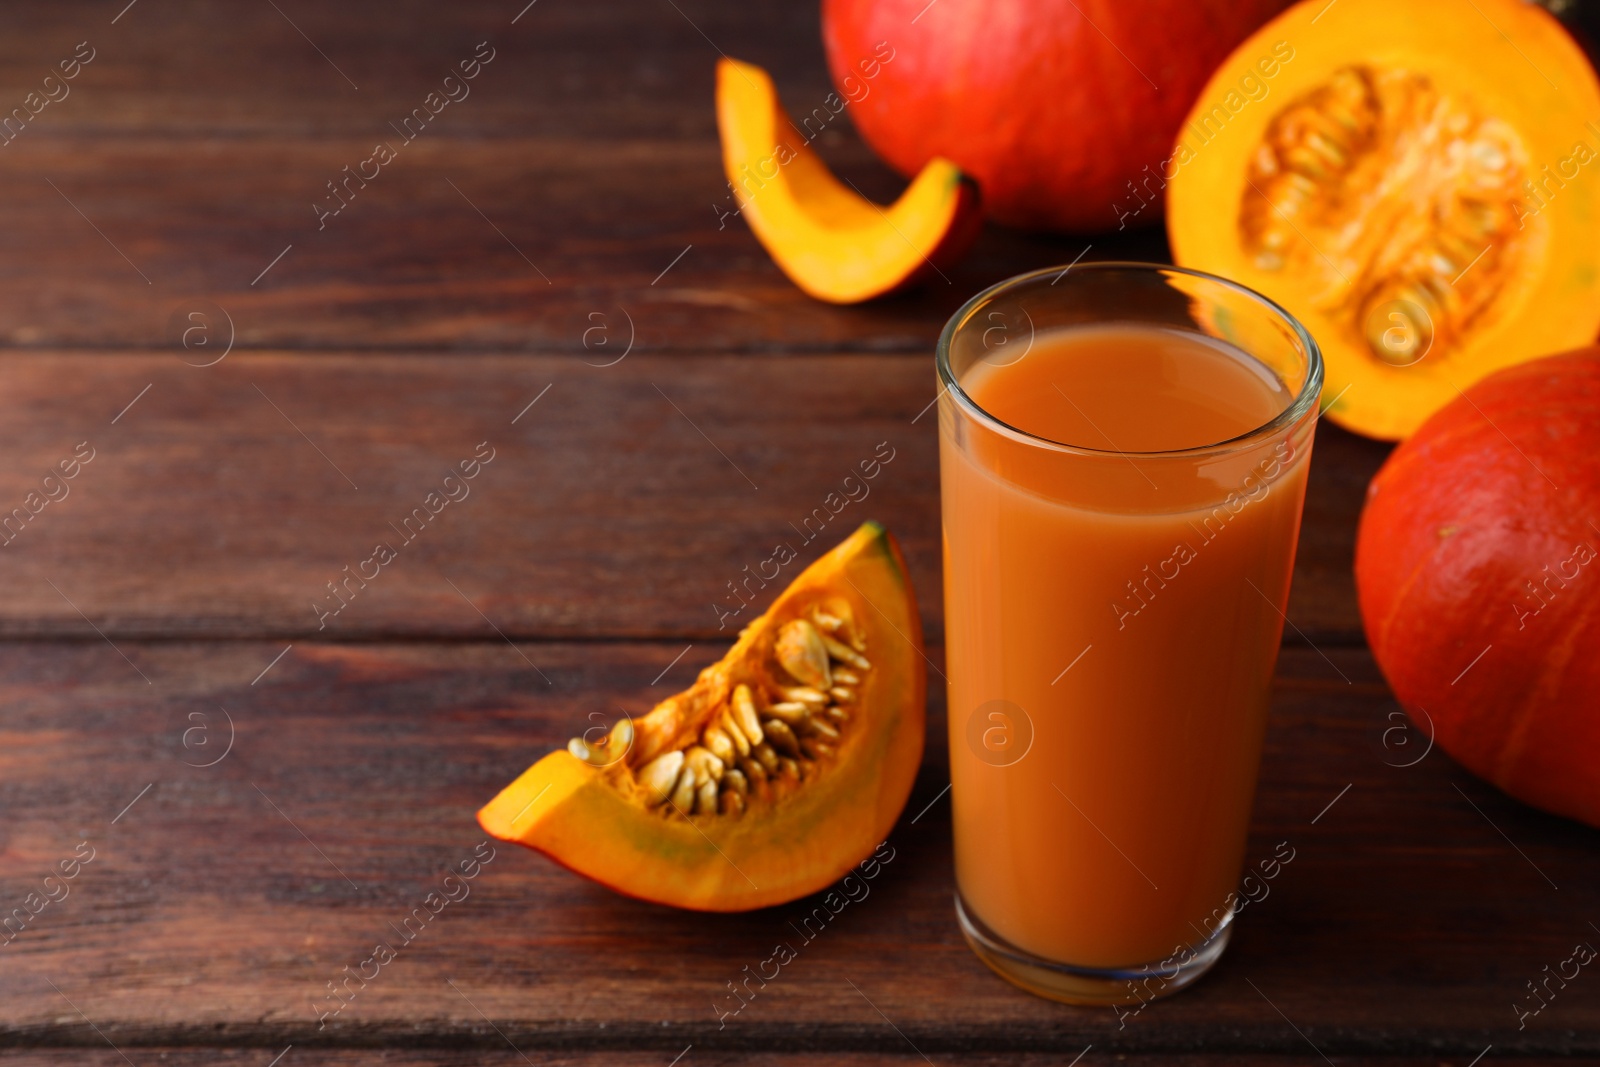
x: 1055, y: 107
x: 1478, y: 569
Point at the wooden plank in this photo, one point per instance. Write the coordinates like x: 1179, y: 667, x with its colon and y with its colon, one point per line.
x: 628, y: 68
x: 623, y: 502
x: 220, y: 903
x: 483, y: 1053
x: 312, y: 1056
x: 560, y: 188
x: 251, y: 71
x: 509, y: 244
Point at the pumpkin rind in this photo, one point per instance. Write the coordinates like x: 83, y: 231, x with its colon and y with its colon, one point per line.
x: 833, y: 243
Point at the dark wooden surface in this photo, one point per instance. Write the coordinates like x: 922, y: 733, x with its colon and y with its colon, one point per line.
x: 316, y: 1057
x: 221, y: 903
x: 148, y: 610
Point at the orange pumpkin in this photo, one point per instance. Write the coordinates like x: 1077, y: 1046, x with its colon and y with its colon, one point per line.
x: 784, y: 765
x: 1478, y: 568
x: 1062, y: 110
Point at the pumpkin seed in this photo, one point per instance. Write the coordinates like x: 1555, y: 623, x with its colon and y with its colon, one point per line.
x: 683, y: 793
x: 803, y: 652
x: 658, y: 775
x: 814, y: 699
x: 822, y: 728
x: 718, y: 742
x: 741, y: 743
x: 815, y: 748
x: 843, y: 653
x: 782, y: 737
x: 705, y: 801
x: 850, y: 632
x: 608, y: 750
x: 706, y: 763
x: 836, y: 618
x: 789, y: 713
x: 619, y: 742
x: 828, y: 624
x: 744, y: 746
x: 744, y: 715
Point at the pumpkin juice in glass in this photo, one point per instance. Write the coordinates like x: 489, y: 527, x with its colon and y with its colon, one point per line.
x: 1123, y: 456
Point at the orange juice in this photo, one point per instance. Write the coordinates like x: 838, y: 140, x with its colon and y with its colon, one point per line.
x: 1115, y: 574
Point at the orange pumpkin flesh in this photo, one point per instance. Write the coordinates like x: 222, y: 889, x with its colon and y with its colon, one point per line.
x: 1476, y: 564
x: 1416, y: 195
x: 1061, y: 110
x: 598, y: 815
x: 833, y: 243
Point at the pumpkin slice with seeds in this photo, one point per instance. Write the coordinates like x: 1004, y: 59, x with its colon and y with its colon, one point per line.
x: 1413, y: 180
x: 785, y: 764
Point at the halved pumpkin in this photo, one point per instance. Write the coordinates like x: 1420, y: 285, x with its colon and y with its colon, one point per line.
x: 1418, y: 181
x: 832, y: 242
x: 786, y: 763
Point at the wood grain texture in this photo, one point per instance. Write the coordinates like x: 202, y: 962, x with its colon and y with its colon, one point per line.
x: 695, y: 1056
x: 199, y: 137
x: 571, y: 209
x: 220, y: 904
x: 582, y: 163
x: 622, y: 503
x: 630, y: 68
x: 460, y: 243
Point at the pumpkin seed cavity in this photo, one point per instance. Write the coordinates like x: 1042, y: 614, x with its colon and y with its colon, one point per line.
x: 1396, y: 200
x: 770, y: 738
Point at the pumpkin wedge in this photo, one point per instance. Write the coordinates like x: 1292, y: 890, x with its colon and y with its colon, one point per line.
x: 832, y: 242
x: 785, y: 764
x: 1418, y: 181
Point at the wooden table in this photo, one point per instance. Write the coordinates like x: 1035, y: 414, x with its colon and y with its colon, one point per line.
x: 266, y: 790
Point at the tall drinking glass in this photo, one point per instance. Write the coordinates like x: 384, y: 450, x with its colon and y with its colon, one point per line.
x: 1123, y: 457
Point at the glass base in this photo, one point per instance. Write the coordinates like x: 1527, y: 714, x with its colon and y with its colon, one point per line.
x: 1092, y: 985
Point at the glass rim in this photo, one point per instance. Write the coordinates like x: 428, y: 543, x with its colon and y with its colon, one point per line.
x: 1292, y: 413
